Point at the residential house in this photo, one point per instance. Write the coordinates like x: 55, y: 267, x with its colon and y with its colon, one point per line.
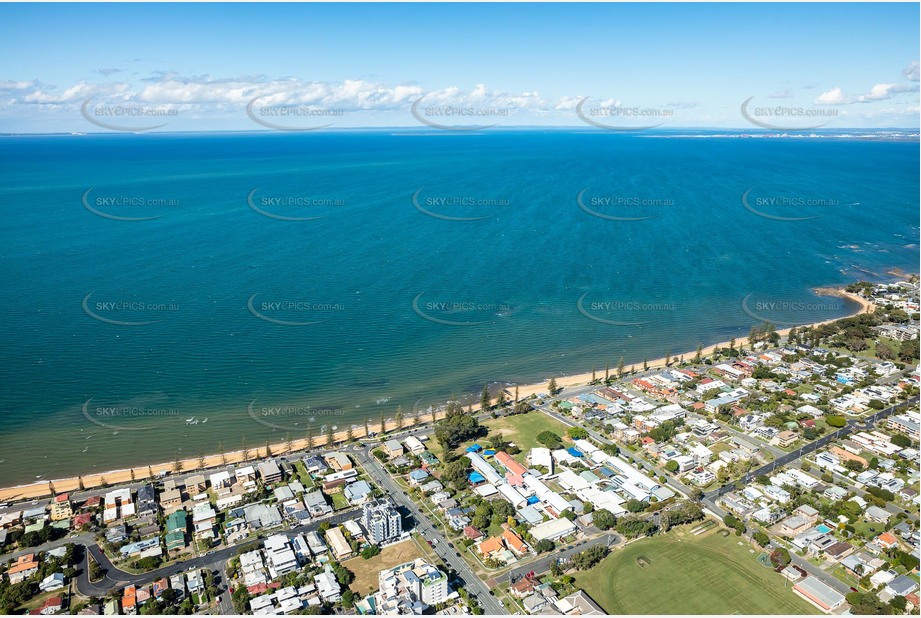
x: 269, y: 471
x: 393, y: 448
x: 339, y: 461
x: 195, y: 485
x: 53, y: 582
x: 22, y: 568
x: 340, y: 547
x: 61, y: 508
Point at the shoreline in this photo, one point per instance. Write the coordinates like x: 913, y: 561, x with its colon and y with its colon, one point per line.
x: 212, y: 461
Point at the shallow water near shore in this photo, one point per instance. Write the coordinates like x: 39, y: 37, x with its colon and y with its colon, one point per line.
x: 159, y: 298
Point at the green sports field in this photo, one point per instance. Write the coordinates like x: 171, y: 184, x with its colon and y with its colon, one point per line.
x: 679, y: 573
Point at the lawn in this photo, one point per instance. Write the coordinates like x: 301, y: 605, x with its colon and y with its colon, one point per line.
x: 366, y: 571
x: 339, y: 501
x: 523, y: 429
x: 679, y: 573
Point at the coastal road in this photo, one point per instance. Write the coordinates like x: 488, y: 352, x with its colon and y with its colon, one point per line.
x: 448, y: 554
x: 543, y: 563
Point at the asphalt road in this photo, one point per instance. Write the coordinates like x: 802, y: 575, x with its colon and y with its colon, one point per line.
x: 851, y: 426
x: 451, y: 556
x: 543, y: 564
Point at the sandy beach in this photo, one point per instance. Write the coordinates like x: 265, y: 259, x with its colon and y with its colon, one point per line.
x: 114, y: 477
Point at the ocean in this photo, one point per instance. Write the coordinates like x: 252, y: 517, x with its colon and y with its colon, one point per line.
x: 268, y: 282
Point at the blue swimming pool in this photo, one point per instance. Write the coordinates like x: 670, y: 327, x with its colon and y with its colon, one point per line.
x: 823, y: 528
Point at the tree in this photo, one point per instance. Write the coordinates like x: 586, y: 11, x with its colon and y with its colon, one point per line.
x: 201, y: 462
x: 456, y: 427
x: 330, y: 436
x: 634, y: 506
x: 668, y: 358
x: 645, y: 364
x: 220, y: 448
x: 484, y: 398
x: 620, y: 367
x: 370, y: 551
x: 588, y: 558
x: 672, y: 466
x: 552, y: 387
x: 383, y: 423
x: 349, y: 433
x: 544, y: 545
x: 634, y: 526
x: 577, y: 433
x: 901, y: 441
x: 268, y: 448
x: 367, y: 429
x: 150, y: 473
x: 604, y: 519
x: 80, y: 484
x: 761, y: 538
x: 833, y: 420
x: 132, y: 475
x: 245, y: 450
x: 399, y: 418
x: 549, y: 439
x: 348, y: 599
x: 908, y: 350
x: 697, y: 355
x: 289, y: 443
x: 309, y: 438
x: 780, y: 557
x: 734, y: 522
x: 177, y: 465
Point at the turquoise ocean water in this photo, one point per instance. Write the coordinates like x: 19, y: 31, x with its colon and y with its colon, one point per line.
x: 153, y: 279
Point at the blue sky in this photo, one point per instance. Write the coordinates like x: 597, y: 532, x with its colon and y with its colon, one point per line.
x: 303, y: 65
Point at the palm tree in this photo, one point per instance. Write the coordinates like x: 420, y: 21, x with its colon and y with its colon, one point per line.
x: 399, y: 418
x: 383, y: 423
x: 245, y: 450
x: 201, y: 459
x: 268, y: 448
x: 645, y: 364
x: 289, y: 443
x: 309, y: 438
x: 699, y: 351
x: 620, y: 367
x: 330, y: 437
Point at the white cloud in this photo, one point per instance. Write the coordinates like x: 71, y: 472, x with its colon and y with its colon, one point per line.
x: 835, y: 96
x: 782, y: 94
x: 911, y: 72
